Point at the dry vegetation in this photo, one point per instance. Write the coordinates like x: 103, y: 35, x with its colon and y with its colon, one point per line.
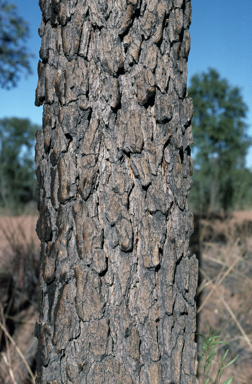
x: 224, y: 292
x: 224, y: 247
x: 19, y: 272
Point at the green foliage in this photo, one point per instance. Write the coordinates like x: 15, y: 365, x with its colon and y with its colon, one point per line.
x: 17, y: 166
x: 14, y: 57
x: 208, y: 353
x: 220, y: 141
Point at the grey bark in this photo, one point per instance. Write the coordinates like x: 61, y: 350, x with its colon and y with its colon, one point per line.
x: 118, y: 283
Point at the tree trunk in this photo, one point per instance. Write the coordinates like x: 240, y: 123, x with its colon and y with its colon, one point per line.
x: 118, y: 283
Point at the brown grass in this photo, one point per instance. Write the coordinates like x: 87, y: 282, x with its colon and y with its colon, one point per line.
x: 224, y: 298
x: 224, y: 290
x: 19, y: 271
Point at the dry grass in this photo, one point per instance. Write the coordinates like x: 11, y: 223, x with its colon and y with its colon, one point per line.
x: 19, y: 271
x: 224, y: 290
x: 223, y: 293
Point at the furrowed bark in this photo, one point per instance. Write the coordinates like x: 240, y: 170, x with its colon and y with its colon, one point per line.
x: 118, y: 283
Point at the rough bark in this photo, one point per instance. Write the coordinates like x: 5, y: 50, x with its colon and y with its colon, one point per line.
x: 114, y: 169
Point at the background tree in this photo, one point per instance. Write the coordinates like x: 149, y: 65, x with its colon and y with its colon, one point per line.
x: 113, y: 164
x: 17, y: 168
x: 14, y: 57
x: 220, y: 141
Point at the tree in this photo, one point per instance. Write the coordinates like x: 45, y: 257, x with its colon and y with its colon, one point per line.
x: 118, y: 282
x: 220, y: 140
x: 14, y: 57
x: 17, y: 168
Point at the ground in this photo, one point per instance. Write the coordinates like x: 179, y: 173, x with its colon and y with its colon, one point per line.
x: 224, y: 247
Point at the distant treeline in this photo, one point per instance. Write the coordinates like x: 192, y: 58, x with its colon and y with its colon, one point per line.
x: 221, y: 181
x: 17, y: 165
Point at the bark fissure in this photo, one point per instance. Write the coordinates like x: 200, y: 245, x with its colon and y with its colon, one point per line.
x: 114, y: 172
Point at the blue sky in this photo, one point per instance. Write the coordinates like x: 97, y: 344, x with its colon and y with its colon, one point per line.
x: 221, y: 34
